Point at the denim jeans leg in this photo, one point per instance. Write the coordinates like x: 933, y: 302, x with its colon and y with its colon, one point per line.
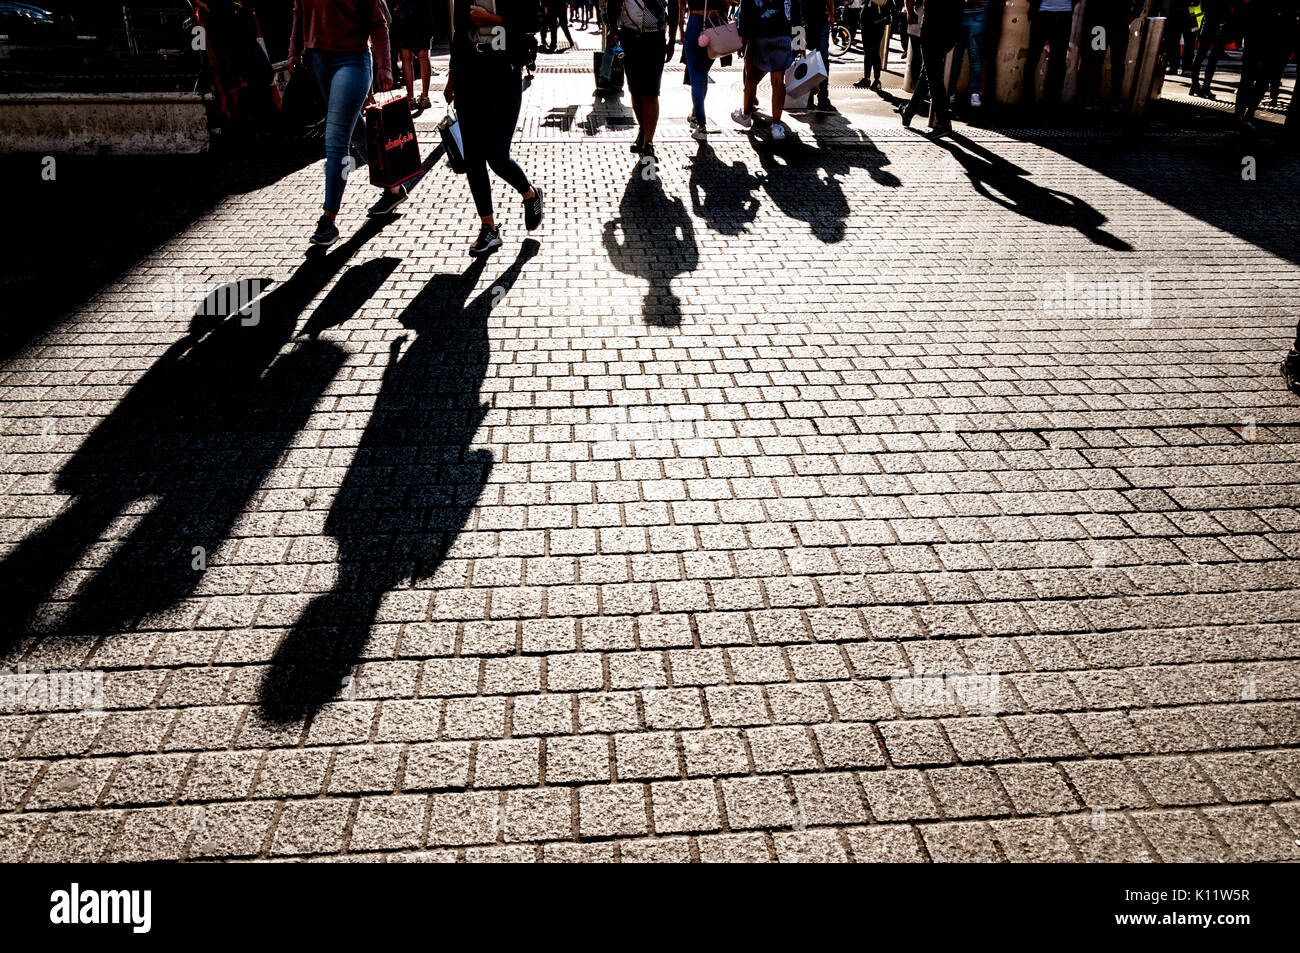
x: 345, y: 80
x: 975, y: 26
x: 698, y: 62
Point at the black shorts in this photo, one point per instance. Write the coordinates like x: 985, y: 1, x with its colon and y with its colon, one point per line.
x: 643, y: 61
x: 412, y: 26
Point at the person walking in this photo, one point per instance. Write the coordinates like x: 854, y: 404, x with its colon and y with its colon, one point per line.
x: 877, y: 15
x: 939, y: 29
x: 765, y: 33
x: 691, y: 25
x: 412, y: 34
x: 557, y: 19
x: 1268, y: 27
x: 641, y: 25
x: 1049, y: 26
x: 486, y: 85
x: 1217, y: 30
x: 330, y: 37
x: 817, y: 17
x: 1113, y: 17
x: 971, y: 42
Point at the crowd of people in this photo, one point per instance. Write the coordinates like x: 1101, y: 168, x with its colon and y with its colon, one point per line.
x: 345, y: 46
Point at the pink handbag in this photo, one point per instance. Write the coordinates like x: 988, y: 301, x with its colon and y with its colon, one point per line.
x: 723, y: 39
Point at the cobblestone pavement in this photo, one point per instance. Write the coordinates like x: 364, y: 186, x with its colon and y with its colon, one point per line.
x: 871, y: 498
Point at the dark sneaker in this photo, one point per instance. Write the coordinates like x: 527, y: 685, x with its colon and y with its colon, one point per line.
x: 906, y: 113
x: 941, y: 129
x: 533, y: 210
x: 327, y: 233
x: 648, y: 151
x: 1291, y: 371
x: 489, y: 240
x: 824, y: 103
x: 389, y: 201
x: 636, y: 144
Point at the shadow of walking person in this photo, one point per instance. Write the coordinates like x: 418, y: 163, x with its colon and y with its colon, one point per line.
x: 1008, y: 185
x: 800, y: 182
x: 410, y: 489
x: 196, y: 435
x: 722, y: 193
x: 657, y: 243
x: 842, y: 148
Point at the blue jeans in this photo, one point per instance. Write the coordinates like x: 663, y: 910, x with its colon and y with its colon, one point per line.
x: 344, y: 81
x: 972, y: 25
x: 698, y: 62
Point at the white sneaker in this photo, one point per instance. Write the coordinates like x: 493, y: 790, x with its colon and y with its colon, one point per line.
x: 743, y: 119
x: 975, y: 100
x: 778, y: 131
x: 700, y: 133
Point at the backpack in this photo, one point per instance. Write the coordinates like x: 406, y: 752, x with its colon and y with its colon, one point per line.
x: 643, y: 16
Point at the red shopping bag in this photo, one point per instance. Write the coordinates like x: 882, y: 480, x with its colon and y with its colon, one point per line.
x: 392, y: 149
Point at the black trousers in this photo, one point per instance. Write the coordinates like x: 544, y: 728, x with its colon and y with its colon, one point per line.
x: 871, y: 34
x: 489, y: 91
x: 1053, y: 31
x: 1214, y: 37
x: 938, y: 34
x: 1090, y: 71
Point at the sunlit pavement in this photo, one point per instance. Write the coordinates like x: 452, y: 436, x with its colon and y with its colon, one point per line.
x: 859, y: 497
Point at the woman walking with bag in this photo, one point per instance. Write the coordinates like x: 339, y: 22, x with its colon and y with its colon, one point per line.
x: 487, y: 87
x: 703, y: 14
x: 765, y: 31
x: 330, y: 37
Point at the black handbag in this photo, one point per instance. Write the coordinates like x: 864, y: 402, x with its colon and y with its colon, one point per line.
x: 452, y: 145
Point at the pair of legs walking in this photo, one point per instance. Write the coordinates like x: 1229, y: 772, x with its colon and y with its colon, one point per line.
x: 872, y: 34
x: 409, y: 60
x: 934, y: 43
x: 698, y: 62
x: 1050, y: 29
x: 752, y: 78
x: 488, y: 95
x: 970, y: 41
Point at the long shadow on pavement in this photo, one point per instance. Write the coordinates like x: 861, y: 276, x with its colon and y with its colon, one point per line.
x: 803, y: 181
x: 101, y: 215
x: 197, y: 434
x: 1006, y: 184
x: 410, y: 489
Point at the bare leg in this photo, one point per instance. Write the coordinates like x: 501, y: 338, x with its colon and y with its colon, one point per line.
x: 751, y: 88
x: 778, y: 94
x: 424, y: 73
x: 649, y: 118
x: 406, y: 74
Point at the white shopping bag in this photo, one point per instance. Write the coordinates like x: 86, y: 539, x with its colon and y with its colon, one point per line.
x: 804, y: 74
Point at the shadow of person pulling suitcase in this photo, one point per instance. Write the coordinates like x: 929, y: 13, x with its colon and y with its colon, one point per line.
x: 410, y: 489
x: 191, y: 443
